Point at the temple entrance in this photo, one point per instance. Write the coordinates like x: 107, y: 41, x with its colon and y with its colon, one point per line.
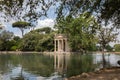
x: 61, y: 43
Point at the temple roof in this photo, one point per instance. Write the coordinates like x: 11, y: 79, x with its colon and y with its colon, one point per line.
x: 60, y: 36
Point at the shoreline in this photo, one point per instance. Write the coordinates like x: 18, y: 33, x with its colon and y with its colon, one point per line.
x: 24, y: 52
x: 102, y: 74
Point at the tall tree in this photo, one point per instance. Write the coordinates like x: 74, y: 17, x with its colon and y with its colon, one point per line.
x: 105, y: 36
x: 107, y: 10
x: 117, y: 47
x: 80, y: 31
x: 5, y: 37
x: 36, y: 40
x: 24, y: 10
x: 21, y: 25
x: 1, y: 27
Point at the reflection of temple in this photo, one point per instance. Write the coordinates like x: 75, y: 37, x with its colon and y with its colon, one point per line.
x: 60, y: 43
x: 60, y: 63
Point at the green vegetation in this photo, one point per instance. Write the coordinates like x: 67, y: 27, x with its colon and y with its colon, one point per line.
x: 35, y: 40
x: 82, y: 21
x: 81, y: 31
x: 21, y: 25
x: 105, y: 36
x: 117, y: 47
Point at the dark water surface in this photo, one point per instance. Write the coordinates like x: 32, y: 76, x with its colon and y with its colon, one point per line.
x: 49, y: 67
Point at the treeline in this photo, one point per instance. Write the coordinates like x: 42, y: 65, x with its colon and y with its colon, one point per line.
x: 35, y: 40
x: 38, y: 40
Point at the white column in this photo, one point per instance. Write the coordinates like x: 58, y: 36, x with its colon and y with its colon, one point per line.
x: 62, y: 45
x: 58, y: 45
x: 55, y: 62
x: 55, y: 45
x: 66, y: 45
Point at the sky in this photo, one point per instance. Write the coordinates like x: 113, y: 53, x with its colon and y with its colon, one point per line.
x: 48, y: 21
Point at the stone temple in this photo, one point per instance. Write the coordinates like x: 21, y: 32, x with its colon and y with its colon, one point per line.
x: 61, y: 43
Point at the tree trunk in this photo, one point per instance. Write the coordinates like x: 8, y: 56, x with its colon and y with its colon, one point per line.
x: 103, y: 58
x: 22, y: 30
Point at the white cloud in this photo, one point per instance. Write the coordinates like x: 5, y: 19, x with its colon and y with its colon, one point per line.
x: 45, y: 23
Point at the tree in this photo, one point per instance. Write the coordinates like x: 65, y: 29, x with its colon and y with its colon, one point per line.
x: 107, y: 10
x: 109, y: 48
x: 27, y: 10
x: 29, y: 41
x: 1, y: 27
x: 21, y: 25
x: 1, y: 43
x: 6, y: 35
x: 45, y: 30
x: 36, y: 40
x: 5, y: 38
x: 81, y: 31
x: 105, y: 36
x: 24, y: 10
x: 117, y: 47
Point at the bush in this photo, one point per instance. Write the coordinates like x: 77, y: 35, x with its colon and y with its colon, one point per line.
x: 13, y: 48
x: 117, y: 47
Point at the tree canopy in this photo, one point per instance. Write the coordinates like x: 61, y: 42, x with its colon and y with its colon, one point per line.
x: 107, y: 10
x: 105, y: 36
x: 80, y: 31
x: 25, y: 10
x: 21, y: 25
x: 29, y: 10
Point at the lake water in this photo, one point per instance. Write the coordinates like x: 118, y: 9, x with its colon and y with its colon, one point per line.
x: 49, y: 67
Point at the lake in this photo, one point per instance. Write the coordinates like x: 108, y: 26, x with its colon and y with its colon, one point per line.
x: 34, y: 66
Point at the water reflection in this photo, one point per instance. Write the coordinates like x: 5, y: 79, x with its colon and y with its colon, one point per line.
x: 61, y: 63
x: 26, y: 67
x: 47, y: 67
x: 111, y: 60
x: 70, y: 65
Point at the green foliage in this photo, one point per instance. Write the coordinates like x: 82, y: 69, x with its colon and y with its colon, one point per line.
x: 13, y: 48
x: 36, y: 40
x: 45, y: 30
x: 107, y: 10
x: 105, y: 36
x: 109, y: 48
x: 117, y: 47
x: 5, y: 38
x: 1, y: 43
x: 26, y: 10
x: 7, y: 41
x: 81, y: 31
x: 29, y: 41
x: 6, y: 35
x: 21, y: 25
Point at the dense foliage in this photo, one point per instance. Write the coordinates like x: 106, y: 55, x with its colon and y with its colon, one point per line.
x: 36, y: 40
x: 107, y: 10
x: 117, y: 47
x: 21, y: 25
x: 74, y: 18
x: 105, y: 36
x: 80, y: 31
